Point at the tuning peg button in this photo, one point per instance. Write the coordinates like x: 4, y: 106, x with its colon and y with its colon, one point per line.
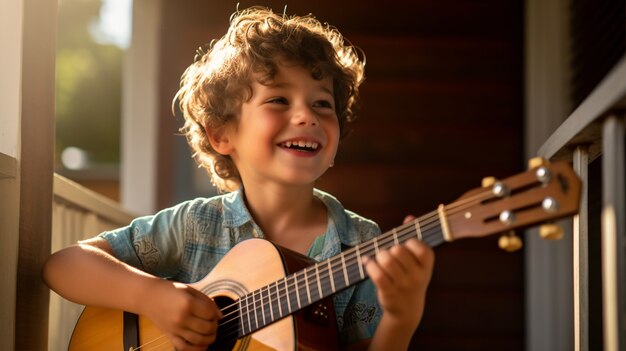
x: 550, y: 204
x: 510, y: 242
x: 543, y: 174
x: 551, y: 232
x: 537, y: 162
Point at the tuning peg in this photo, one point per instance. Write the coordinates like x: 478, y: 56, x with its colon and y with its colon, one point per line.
x: 510, y: 242
x: 488, y: 181
x: 551, y: 231
x: 537, y: 162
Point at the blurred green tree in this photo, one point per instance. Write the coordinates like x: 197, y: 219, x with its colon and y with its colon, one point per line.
x: 88, y: 85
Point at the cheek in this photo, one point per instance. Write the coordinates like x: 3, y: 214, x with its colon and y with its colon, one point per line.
x: 332, y: 132
x: 268, y: 126
x: 332, y: 129
x: 262, y: 124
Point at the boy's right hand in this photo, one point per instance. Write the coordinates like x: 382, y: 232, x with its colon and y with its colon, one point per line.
x: 185, y: 315
x: 89, y: 274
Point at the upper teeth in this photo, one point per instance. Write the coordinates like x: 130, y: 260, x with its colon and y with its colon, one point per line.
x: 307, y: 144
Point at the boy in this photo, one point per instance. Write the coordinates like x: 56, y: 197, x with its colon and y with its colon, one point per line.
x: 264, y: 109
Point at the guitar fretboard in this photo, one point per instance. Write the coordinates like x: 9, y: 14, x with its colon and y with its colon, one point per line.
x: 312, y: 284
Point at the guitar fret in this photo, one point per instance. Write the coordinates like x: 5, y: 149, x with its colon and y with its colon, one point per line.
x: 295, y: 279
x: 313, y: 279
x: 248, y: 313
x: 418, y: 230
x: 269, y: 302
x: 395, y: 236
x: 319, y: 282
x: 259, y: 310
x: 256, y: 317
x: 287, y: 295
x: 345, y: 273
x: 241, y: 314
x: 306, y: 284
x: 354, y: 271
x: 359, y: 262
x: 376, y: 244
x: 280, y: 310
x: 332, y: 279
x: 262, y: 305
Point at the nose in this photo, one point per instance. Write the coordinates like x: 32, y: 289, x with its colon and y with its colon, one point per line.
x: 305, y: 116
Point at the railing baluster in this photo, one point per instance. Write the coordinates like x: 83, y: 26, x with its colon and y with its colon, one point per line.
x: 581, y: 255
x: 613, y: 231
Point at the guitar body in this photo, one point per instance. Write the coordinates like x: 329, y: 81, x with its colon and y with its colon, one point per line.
x: 248, y: 266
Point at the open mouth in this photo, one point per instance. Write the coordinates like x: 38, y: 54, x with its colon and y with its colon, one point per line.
x: 306, y: 146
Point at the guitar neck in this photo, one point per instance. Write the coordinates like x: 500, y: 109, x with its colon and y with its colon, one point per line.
x: 323, y: 279
x: 543, y: 193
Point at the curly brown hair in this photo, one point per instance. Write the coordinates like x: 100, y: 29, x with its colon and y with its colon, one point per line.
x: 213, y: 88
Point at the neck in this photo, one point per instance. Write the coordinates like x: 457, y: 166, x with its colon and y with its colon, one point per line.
x: 286, y: 214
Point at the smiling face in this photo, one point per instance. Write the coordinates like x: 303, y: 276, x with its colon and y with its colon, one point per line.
x: 288, y: 130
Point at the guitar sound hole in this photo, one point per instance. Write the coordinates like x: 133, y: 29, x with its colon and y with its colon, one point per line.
x: 228, y: 328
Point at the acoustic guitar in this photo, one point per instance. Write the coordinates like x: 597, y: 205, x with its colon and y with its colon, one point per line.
x: 275, y: 299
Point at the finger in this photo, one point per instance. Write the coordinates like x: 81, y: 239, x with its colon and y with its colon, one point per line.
x: 406, y: 257
x: 180, y: 344
x: 204, y: 307
x: 408, y: 218
x: 202, y: 326
x: 376, y: 274
x: 220, y: 315
x: 423, y: 253
x: 197, y: 339
x: 390, y: 265
x: 206, y: 311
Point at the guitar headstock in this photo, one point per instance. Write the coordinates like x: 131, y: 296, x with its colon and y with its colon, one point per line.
x: 542, y: 194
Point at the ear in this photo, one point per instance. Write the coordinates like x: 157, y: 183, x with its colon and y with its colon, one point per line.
x: 220, y: 139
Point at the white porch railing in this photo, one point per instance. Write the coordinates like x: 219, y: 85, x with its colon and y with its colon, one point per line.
x: 596, y: 129
x: 77, y: 213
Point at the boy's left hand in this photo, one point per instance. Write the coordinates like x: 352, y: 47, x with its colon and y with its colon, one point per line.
x: 401, y: 275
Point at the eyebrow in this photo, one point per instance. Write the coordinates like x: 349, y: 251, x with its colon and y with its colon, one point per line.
x: 279, y: 85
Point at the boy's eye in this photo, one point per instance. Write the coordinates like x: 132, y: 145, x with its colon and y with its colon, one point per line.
x: 278, y: 100
x: 323, y: 103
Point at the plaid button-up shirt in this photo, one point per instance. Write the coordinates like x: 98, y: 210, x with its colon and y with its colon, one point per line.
x: 185, y: 242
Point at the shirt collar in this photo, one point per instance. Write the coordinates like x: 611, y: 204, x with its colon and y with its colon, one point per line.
x: 338, y: 221
x: 236, y: 214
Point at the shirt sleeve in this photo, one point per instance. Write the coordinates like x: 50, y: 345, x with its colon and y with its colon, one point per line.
x: 153, y: 243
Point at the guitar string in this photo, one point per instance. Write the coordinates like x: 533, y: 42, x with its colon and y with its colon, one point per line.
x: 402, y: 231
x: 144, y: 345
x: 428, y: 223
x: 165, y: 342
